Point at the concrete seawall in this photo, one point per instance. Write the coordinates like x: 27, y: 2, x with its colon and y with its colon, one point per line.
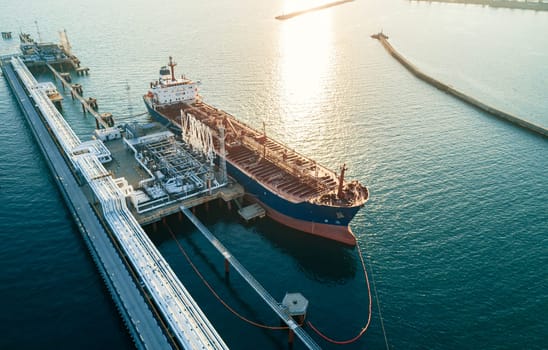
x: 317, y: 8
x: 509, y: 4
x: 538, y: 129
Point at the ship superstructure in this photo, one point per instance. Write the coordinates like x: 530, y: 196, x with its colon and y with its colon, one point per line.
x: 294, y: 189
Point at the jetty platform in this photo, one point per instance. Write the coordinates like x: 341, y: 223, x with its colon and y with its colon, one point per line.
x: 511, y: 118
x: 157, y: 309
x: 312, y: 9
x: 139, y: 319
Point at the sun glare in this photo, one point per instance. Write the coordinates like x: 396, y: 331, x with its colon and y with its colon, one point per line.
x: 305, y: 73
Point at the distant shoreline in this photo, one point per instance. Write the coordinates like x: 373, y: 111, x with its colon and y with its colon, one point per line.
x: 540, y: 5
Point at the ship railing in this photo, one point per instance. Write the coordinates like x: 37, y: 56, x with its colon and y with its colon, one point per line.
x: 277, y: 156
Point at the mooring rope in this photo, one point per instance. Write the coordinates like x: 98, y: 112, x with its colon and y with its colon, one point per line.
x: 224, y: 303
x: 378, y: 305
x: 364, y: 329
x: 322, y: 335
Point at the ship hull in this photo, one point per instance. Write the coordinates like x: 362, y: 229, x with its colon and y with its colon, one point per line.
x: 320, y: 220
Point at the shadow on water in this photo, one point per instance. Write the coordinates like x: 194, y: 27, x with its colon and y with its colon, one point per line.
x: 235, y: 294
x: 183, y: 230
x: 320, y: 259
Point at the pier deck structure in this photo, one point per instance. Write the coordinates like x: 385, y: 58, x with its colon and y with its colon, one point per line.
x: 184, y: 322
x: 76, y: 93
x: 139, y: 319
x: 153, y: 162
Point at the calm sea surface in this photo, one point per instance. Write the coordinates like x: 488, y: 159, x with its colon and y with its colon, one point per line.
x: 456, y: 231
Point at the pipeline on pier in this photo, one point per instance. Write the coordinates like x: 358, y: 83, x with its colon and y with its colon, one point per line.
x: 538, y: 129
x: 186, y: 321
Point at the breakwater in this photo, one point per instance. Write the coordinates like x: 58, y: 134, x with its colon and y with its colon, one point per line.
x: 312, y: 9
x: 509, y: 4
x: 538, y: 129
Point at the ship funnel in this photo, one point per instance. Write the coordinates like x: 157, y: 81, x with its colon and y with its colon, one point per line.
x: 172, y: 67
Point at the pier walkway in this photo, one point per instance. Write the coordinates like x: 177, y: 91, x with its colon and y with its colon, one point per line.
x: 139, y: 319
x: 186, y: 322
x: 535, y: 128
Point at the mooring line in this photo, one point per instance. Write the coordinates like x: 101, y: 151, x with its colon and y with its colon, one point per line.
x: 364, y: 329
x: 224, y: 303
x: 322, y: 335
x: 378, y: 304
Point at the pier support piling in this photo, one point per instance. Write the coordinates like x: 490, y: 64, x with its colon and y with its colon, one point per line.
x: 227, y: 268
x: 296, y: 304
x: 66, y: 76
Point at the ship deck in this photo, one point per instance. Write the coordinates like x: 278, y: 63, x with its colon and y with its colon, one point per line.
x: 283, y: 170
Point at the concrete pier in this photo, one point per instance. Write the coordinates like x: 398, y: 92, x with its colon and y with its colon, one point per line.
x: 312, y: 9
x: 536, y: 5
x: 100, y: 211
x: 131, y: 304
x: 535, y: 128
x: 82, y: 71
x: 66, y: 77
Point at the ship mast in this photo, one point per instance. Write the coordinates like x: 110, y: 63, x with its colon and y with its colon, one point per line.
x: 341, y: 181
x: 172, y: 68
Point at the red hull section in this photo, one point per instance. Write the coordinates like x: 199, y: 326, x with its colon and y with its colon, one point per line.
x: 342, y: 234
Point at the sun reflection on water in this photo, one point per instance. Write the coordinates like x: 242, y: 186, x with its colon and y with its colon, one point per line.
x: 305, y: 70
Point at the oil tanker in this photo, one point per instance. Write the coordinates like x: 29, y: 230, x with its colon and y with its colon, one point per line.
x: 293, y: 189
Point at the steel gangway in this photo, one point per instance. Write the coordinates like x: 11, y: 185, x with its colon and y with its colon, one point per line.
x: 187, y: 323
